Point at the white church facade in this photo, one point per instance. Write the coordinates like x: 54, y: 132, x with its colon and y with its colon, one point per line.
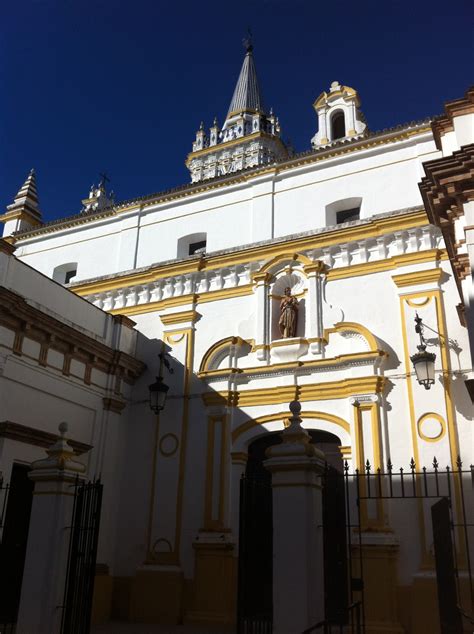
x: 200, y: 274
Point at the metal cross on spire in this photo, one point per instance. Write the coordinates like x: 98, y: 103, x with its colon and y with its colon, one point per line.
x: 104, y: 179
x: 248, y: 41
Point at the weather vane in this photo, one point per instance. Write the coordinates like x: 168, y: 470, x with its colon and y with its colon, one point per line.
x: 248, y: 42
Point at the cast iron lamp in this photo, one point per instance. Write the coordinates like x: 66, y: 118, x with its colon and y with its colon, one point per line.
x: 423, y: 361
x: 159, y: 390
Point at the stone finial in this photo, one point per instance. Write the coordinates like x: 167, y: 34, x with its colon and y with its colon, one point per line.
x: 296, y: 441
x: 60, y: 458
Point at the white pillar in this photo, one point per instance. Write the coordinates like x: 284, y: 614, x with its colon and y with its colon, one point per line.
x: 262, y: 338
x: 314, y: 318
x: 44, y: 574
x: 298, y: 567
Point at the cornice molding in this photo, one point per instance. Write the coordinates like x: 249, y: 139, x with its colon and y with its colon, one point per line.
x: 38, y: 437
x: 27, y: 321
x: 455, y: 108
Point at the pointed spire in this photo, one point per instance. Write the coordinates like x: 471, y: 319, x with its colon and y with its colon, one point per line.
x: 27, y: 197
x: 24, y: 212
x: 247, y: 96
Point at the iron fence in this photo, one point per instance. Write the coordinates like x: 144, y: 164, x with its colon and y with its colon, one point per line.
x: 80, y: 572
x: 440, y: 510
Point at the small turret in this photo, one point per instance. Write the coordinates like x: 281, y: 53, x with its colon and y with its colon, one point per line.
x: 339, y: 116
x: 24, y: 213
x: 98, y: 197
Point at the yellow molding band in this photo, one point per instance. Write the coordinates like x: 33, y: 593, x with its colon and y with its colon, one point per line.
x: 308, y: 392
x: 374, y: 228
x: 260, y: 134
x: 218, y: 346
x: 283, y: 416
x: 345, y: 272
x: 291, y: 365
x: 179, y: 318
x: 394, y: 262
x: 418, y: 277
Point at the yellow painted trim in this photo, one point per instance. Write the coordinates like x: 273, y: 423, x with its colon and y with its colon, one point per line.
x: 379, y: 266
x: 374, y: 228
x: 284, y: 257
x: 414, y: 304
x: 247, y: 289
x: 437, y: 417
x: 283, y: 416
x: 174, y: 556
x: 277, y: 367
x: 173, y: 451
x: 418, y: 277
x: 217, y: 347
x: 179, y: 318
x: 352, y: 326
x: 232, y: 143
x: 209, y: 522
x: 307, y: 392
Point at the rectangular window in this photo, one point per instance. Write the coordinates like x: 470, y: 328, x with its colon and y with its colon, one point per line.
x: 347, y: 215
x: 197, y: 247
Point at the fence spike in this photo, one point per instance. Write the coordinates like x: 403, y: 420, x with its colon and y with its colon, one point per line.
x: 389, y: 465
x: 459, y: 463
x: 435, y: 464
x: 412, y: 464
x: 367, y: 466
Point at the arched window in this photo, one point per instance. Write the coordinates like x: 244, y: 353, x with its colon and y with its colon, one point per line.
x: 65, y: 273
x: 338, y: 126
x: 192, y: 244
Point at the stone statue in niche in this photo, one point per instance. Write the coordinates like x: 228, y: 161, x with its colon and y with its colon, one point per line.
x: 288, y: 314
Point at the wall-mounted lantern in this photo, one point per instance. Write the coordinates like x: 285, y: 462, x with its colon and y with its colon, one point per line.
x: 423, y: 361
x: 159, y: 390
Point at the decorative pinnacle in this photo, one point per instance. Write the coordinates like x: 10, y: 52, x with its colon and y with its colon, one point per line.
x: 63, y: 427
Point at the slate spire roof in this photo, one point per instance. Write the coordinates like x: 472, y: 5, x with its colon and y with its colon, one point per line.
x: 247, y: 96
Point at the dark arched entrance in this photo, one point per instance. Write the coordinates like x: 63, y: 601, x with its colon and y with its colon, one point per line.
x: 255, y: 586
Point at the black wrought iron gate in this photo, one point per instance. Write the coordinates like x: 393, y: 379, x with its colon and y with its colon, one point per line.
x: 79, y: 587
x: 345, y: 524
x: 15, y: 509
x: 255, y: 574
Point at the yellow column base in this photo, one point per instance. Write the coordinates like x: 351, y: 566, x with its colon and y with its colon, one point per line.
x: 380, y: 584
x: 157, y: 595
x: 214, y: 588
x: 102, y: 599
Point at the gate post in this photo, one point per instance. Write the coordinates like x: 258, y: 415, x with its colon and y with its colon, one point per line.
x: 298, y: 567
x: 44, y: 575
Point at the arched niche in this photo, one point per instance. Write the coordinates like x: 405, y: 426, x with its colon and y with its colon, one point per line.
x: 296, y: 281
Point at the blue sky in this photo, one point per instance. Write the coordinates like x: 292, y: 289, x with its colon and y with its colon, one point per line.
x: 122, y: 86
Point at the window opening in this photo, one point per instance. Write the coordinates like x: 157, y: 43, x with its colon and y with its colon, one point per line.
x: 347, y: 215
x: 197, y: 247
x: 69, y: 276
x: 338, y: 125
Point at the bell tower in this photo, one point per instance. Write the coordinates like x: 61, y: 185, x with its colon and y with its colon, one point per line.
x: 339, y: 116
x: 249, y: 137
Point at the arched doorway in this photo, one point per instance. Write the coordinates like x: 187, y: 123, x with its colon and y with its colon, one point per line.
x: 255, y: 584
